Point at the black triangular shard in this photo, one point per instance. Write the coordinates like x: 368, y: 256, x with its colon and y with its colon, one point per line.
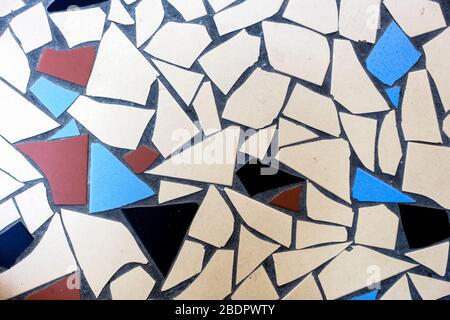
x: 258, y: 178
x: 424, y: 226
x: 162, y: 229
x: 62, y: 5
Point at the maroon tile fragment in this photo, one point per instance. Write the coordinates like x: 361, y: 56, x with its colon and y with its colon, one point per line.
x: 65, y: 289
x: 289, y: 199
x: 141, y: 159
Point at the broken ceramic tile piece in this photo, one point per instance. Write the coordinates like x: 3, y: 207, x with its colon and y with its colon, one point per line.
x: 206, y: 109
x: 305, y: 290
x: 169, y: 191
x: 63, y: 5
x: 73, y: 65
x: 69, y: 130
x: 310, y: 234
x: 372, y: 295
x: 162, y: 230
x: 149, y: 16
x: 179, y: 43
x: 347, y: 273
x: 111, y: 184
x: 416, y: 17
x: 252, y: 251
x: 214, y: 221
x: 9, y: 6
x: 31, y: 28
x: 367, y: 188
x: 359, y: 19
x: 258, y: 143
x: 429, y: 288
x: 118, y: 13
x: 270, y: 222
x: 394, y: 95
x: 189, y: 10
x: 116, y: 125
x: 389, y: 146
x: 136, y: 284
x: 289, y: 199
x: 434, y: 258
x: 226, y: 63
x: 62, y: 290
x: 14, y: 66
x: 285, y: 44
x: 34, y: 207
x: 54, y: 97
x: 120, y: 70
x: 446, y: 126
x: 398, y: 291
x: 13, y: 243
x: 219, y: 5
x: 141, y: 159
x: 8, y: 214
x: 423, y: 226
x: 80, y: 26
x: 393, y: 56
x: 257, y: 286
x: 8, y: 185
x: 291, y: 133
x: 258, y: 101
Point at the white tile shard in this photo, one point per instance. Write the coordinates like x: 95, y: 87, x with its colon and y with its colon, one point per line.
x: 307, y: 289
x: 226, y: 63
x: 310, y: 234
x: 398, y: 291
x: 8, y: 214
x: 297, y: 51
x: 118, y: 13
x: 258, y: 143
x: 115, y: 125
x: 80, y: 26
x: 8, y: 185
x: 257, y: 286
x: 205, y: 107
x: 290, y: 133
x: 149, y: 16
x: 359, y: 20
x: 171, y: 190
x: 219, y: 5
x: 434, y: 257
x: 179, y: 43
x: 430, y: 288
x: 9, y: 6
x: 136, y: 284
x: 190, y: 10
x: 389, y: 146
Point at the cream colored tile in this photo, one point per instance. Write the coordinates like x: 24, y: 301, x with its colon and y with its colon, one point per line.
x: 258, y: 143
x: 9, y: 6
x: 136, y: 284
x: 429, y: 288
x: 149, y: 16
x: 311, y: 234
x: 8, y: 185
x: 118, y: 13
x: 8, y: 214
x: 257, y: 286
x: 290, y: 133
x: 218, y: 5
x: 305, y: 290
x: 171, y: 190
x: 446, y: 126
x: 399, y: 291
x: 297, y: 51
x: 434, y: 258
x: 190, y: 10
x: 205, y: 106
x: 389, y: 147
x: 359, y: 19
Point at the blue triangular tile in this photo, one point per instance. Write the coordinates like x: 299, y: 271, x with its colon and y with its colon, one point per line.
x: 394, y: 95
x: 69, y: 130
x: 368, y: 296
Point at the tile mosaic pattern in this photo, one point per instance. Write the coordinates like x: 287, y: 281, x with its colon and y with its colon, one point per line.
x: 224, y: 149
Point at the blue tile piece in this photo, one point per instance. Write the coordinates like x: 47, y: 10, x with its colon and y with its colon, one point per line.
x: 368, y: 296
x: 13, y: 243
x: 111, y: 183
x: 55, y: 98
x: 69, y: 130
x: 394, y: 95
x: 367, y: 188
x: 393, y: 56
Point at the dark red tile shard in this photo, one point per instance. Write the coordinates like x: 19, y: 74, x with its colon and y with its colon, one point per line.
x: 71, y: 65
x: 289, y: 199
x: 67, y: 288
x: 65, y: 165
x: 141, y: 159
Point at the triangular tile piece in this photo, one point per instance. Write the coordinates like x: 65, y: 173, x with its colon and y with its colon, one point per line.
x: 399, y: 290
x: 149, y: 16
x: 171, y: 121
x: 162, y: 230
x: 429, y: 288
x: 372, y: 295
x: 206, y: 109
x: 258, y: 178
x: 214, y: 221
x: 63, y: 289
x: 434, y: 257
x: 270, y: 222
x: 10, y: 6
x: 389, y: 146
x: 359, y: 19
x: 424, y: 227
x: 8, y: 185
x: 185, y: 82
x: 69, y: 130
x: 290, y: 133
x: 219, y: 5
x: 257, y: 286
x: 361, y: 133
x: 258, y: 143
x: 121, y: 126
x: 13, y: 243
x: 73, y: 65
x: 310, y: 234
x: 393, y: 56
x: 291, y: 265
x: 190, y: 11
x: 322, y: 208
x: 326, y: 162
x: 119, y: 14
x: 188, y: 264
x: 96, y: 240
x: 305, y: 290
x: 8, y: 214
x: 215, y: 281
x: 63, y: 5
x: 169, y: 191
x: 349, y: 271
x: 51, y: 259
x: 212, y: 160
x: 111, y: 184
x: 65, y: 165
x: 141, y: 159
x: 134, y: 285
x: 367, y: 188
x: 394, y: 95
x: 251, y: 253
x: 289, y: 199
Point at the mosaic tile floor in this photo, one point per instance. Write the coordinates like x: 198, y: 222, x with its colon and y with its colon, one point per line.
x: 224, y: 149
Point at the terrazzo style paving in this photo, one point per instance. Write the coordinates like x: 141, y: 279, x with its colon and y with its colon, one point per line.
x: 224, y: 149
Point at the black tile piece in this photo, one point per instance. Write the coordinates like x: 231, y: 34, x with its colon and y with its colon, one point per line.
x: 162, y: 230
x: 258, y: 178
x: 13, y: 243
x: 62, y: 5
x: 424, y: 226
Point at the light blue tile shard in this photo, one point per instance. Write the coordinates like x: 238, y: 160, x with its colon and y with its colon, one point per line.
x: 394, y: 95
x: 368, y: 296
x: 55, y: 98
x: 393, y: 56
x: 111, y: 184
x: 367, y: 188
x: 69, y: 130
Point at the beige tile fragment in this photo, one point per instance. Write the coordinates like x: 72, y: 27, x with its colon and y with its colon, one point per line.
x: 8, y: 214
x: 434, y: 258
x: 305, y: 290
x: 430, y: 288
x: 359, y: 19
x: 149, y: 16
x: 136, y: 284
x: 389, y: 146
x: 311, y: 234
x: 257, y: 286
x: 399, y: 291
x: 119, y: 14
x: 219, y: 5
x: 290, y: 133
x: 205, y: 106
x: 171, y: 190
x: 446, y: 126
x: 190, y: 10
x: 8, y: 185
x: 258, y: 143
